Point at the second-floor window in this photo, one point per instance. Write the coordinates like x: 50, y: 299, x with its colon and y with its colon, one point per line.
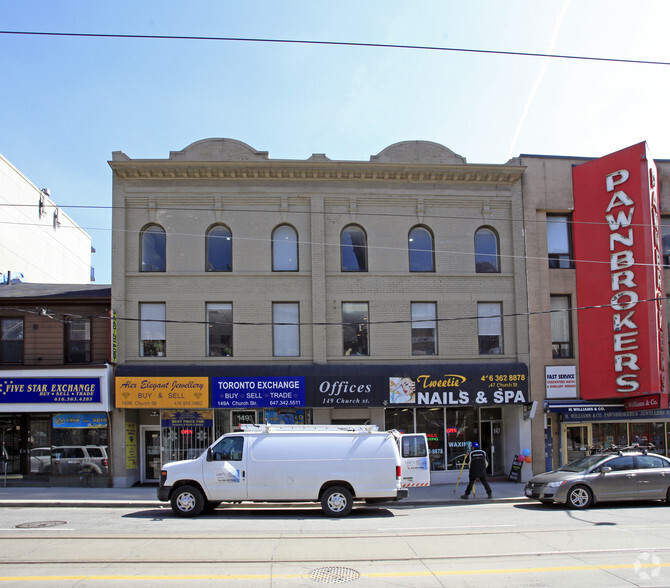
x: 486, y: 251
x: 489, y: 322
x: 286, y: 329
x: 11, y: 340
x: 559, y: 242
x: 152, y: 249
x: 152, y: 329
x: 355, y: 328
x: 424, y: 328
x: 421, y: 255
x: 220, y: 329
x: 354, y: 249
x: 561, y: 335
x: 219, y: 249
x: 78, y: 341
x: 284, y: 249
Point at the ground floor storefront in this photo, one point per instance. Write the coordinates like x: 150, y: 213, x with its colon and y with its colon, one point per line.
x: 54, y: 427
x: 577, y: 428
x: 167, y: 413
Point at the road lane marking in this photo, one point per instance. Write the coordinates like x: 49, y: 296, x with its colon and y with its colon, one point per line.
x: 237, y: 577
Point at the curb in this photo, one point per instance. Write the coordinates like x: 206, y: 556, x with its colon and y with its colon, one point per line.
x: 247, y: 505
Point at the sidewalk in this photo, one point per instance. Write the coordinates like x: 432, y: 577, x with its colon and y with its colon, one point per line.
x: 145, y: 496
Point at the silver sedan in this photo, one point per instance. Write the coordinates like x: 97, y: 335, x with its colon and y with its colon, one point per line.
x: 626, y: 475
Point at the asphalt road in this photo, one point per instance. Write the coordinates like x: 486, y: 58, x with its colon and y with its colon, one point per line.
x: 459, y: 544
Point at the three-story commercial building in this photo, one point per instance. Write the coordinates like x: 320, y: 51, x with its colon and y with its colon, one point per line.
x: 248, y: 289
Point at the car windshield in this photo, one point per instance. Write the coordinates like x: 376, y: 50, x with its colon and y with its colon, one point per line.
x: 582, y: 464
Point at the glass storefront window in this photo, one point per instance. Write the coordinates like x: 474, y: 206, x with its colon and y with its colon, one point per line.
x: 431, y: 422
x: 647, y: 433
x: 461, y: 429
x: 400, y: 419
x: 605, y: 435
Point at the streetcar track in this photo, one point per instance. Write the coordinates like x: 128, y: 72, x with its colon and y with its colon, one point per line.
x: 387, y: 532
x: 395, y: 560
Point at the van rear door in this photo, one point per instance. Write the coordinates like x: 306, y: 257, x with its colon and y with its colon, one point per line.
x: 415, y: 460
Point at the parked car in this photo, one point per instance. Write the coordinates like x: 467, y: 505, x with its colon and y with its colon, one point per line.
x: 40, y: 460
x: 79, y: 459
x: 630, y: 474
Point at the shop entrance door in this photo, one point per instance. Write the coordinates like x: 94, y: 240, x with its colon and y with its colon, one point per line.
x: 491, y: 442
x: 150, y: 466
x: 576, y: 442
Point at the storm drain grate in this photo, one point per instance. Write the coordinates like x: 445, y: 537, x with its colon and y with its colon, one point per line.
x: 333, y: 575
x: 40, y: 524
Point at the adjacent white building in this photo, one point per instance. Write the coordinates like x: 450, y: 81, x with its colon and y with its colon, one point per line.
x: 38, y: 241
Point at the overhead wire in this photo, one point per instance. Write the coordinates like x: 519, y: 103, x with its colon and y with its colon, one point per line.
x: 52, y: 314
x: 335, y: 44
x: 236, y: 237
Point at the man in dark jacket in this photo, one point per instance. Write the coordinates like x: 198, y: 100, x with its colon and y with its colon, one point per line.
x: 477, y: 463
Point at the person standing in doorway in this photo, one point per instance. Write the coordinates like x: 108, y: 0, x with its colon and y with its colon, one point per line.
x: 477, y: 463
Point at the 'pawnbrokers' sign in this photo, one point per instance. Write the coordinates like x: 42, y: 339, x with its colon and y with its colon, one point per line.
x: 620, y: 293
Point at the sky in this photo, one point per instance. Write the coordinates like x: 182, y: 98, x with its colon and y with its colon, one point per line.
x: 66, y: 103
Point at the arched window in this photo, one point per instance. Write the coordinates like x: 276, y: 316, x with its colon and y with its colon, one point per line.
x: 219, y: 249
x: 284, y: 249
x: 354, y: 249
x: 487, y: 257
x: 152, y: 249
x: 421, y: 257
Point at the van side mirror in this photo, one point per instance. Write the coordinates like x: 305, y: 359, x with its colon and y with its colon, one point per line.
x: 210, y: 457
x: 605, y: 470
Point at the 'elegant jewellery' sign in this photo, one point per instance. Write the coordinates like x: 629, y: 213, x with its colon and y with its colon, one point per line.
x: 162, y: 392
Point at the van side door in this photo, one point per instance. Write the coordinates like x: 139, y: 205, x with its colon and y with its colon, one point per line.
x: 225, y: 476
x: 415, y: 460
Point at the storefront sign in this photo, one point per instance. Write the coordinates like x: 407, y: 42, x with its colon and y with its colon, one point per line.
x: 591, y: 412
x: 43, y: 390
x: 258, y: 392
x: 187, y: 418
x: 649, y: 402
x: 114, y: 348
x: 474, y: 386
x: 349, y: 391
x: 131, y: 445
x: 163, y: 392
x: 561, y: 381
x: 83, y: 420
x: 619, y: 273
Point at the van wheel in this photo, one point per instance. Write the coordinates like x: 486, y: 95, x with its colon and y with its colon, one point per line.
x: 337, y: 502
x: 187, y: 501
x: 580, y: 497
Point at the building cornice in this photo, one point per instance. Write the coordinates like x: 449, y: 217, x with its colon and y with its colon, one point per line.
x: 321, y: 171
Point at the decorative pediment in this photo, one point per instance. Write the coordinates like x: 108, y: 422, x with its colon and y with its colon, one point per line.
x: 218, y: 150
x: 424, y: 152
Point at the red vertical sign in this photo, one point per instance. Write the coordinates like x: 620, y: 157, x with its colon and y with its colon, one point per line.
x: 619, y: 267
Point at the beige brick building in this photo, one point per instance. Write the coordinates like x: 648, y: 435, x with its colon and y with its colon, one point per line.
x: 249, y: 289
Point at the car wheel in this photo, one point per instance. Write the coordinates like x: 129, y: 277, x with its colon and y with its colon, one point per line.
x: 667, y: 496
x: 580, y: 497
x: 337, y: 502
x: 187, y: 501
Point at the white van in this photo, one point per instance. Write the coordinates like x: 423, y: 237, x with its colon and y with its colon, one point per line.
x: 330, y: 464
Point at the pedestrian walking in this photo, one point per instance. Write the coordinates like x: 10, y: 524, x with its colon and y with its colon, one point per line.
x: 477, y: 463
